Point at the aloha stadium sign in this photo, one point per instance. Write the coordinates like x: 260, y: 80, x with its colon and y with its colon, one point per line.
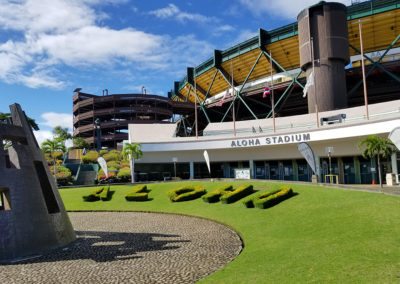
x: 271, y: 140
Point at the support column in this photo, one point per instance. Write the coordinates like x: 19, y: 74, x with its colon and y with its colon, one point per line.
x: 394, y: 166
x: 251, y: 166
x: 295, y: 170
x: 357, y: 170
x: 324, y: 51
x: 191, y: 170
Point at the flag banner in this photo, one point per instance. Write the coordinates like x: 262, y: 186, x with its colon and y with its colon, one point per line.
x: 222, y: 101
x: 308, y: 154
x: 267, y: 92
x: 394, y: 136
x: 207, y: 158
x: 310, y: 82
x: 103, y: 165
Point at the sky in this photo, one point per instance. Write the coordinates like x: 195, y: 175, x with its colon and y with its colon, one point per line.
x: 50, y: 47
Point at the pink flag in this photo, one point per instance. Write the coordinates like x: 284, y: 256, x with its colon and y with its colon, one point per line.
x: 267, y: 92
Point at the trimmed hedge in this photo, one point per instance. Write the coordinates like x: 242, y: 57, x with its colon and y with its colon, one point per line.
x: 215, y: 195
x: 94, y: 196
x: 138, y: 193
x: 249, y: 202
x: 186, y: 193
x: 273, y: 199
x: 238, y: 193
x: 105, y: 194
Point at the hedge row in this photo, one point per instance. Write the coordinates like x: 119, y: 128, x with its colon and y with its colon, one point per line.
x: 215, y: 195
x: 249, y: 202
x: 138, y: 193
x: 273, y: 199
x: 238, y: 193
x: 186, y: 193
x: 102, y: 193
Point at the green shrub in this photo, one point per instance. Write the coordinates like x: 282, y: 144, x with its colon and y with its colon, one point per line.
x: 238, y: 193
x: 186, y: 193
x: 103, y: 152
x: 111, y: 173
x: 113, y: 155
x: 249, y: 202
x: 63, y: 175
x: 141, y: 196
x: 124, y: 174
x: 125, y: 164
x: 105, y: 194
x: 94, y: 196
x: 138, y: 193
x: 273, y: 199
x: 215, y: 195
x: 90, y: 157
x: 114, y: 164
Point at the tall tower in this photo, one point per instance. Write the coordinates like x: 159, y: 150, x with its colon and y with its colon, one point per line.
x: 32, y: 215
x: 323, y: 38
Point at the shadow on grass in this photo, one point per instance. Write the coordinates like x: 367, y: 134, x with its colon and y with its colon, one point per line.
x: 110, y: 246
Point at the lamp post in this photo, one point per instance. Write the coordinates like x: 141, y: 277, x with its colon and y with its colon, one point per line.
x: 329, y: 151
x: 175, y: 159
x: 98, y: 133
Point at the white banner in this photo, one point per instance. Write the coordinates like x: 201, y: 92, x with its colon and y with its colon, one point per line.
x: 394, y: 136
x: 103, y: 165
x: 207, y: 158
x: 308, y: 154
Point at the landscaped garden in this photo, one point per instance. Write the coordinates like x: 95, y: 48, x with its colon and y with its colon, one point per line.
x: 320, y: 234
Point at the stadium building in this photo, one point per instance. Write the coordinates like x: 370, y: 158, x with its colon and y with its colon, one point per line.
x: 330, y: 79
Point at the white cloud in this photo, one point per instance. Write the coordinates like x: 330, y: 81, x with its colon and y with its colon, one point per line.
x: 282, y: 8
x: 173, y: 11
x: 42, y: 135
x: 53, y: 119
x: 57, y: 33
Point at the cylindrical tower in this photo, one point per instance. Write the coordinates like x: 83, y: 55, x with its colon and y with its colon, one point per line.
x: 323, y: 38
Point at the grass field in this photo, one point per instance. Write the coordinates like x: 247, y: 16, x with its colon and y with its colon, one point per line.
x: 321, y: 235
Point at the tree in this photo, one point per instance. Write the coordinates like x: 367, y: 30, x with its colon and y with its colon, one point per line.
x: 132, y: 151
x: 80, y: 143
x: 52, y: 147
x: 61, y: 134
x: 379, y: 147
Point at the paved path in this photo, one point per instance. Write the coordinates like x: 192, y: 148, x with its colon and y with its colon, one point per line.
x: 132, y: 248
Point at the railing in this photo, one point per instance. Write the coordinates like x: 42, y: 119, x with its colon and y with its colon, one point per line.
x: 257, y: 129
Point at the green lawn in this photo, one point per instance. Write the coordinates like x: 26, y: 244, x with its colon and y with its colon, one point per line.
x: 321, y: 235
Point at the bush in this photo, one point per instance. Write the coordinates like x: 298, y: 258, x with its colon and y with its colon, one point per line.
x: 273, y: 199
x: 90, y: 157
x: 124, y: 174
x: 249, y: 202
x: 138, y: 193
x: 103, y: 152
x: 63, y: 175
x: 125, y: 164
x: 215, y: 195
x: 113, y: 155
x: 94, y: 196
x: 111, y: 173
x: 237, y: 194
x: 114, y: 164
x: 186, y: 193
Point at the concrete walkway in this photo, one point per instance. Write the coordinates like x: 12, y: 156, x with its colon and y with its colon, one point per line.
x: 132, y: 248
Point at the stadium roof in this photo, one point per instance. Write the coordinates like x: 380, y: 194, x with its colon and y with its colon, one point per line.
x: 380, y: 25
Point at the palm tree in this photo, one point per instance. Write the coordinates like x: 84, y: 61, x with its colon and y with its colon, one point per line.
x: 376, y: 146
x: 61, y: 134
x: 51, y: 147
x: 132, y: 151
